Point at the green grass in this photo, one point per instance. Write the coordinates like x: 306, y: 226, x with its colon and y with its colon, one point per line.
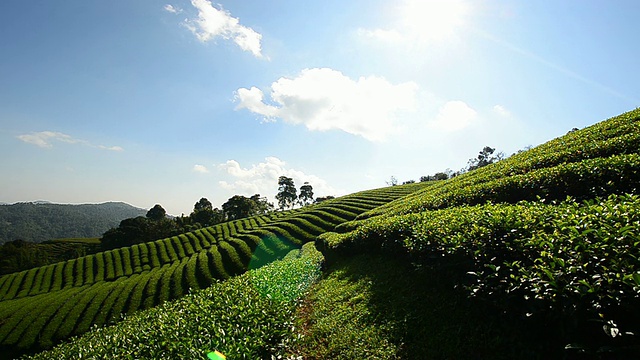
x: 372, y: 307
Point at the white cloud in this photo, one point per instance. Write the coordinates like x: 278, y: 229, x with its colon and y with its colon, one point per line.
x: 501, y: 110
x: 325, y: 99
x: 419, y: 22
x: 454, y: 116
x: 110, y: 148
x: 252, y: 100
x: 262, y: 178
x: 172, y: 9
x: 44, y: 139
x: 213, y: 23
x: 200, y: 169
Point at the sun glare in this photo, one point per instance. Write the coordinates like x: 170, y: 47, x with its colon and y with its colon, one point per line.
x: 429, y: 20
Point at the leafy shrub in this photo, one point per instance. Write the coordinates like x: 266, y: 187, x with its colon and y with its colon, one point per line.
x: 136, y: 262
x: 215, y: 263
x: 37, y: 281
x: 569, y: 260
x: 209, y: 235
x: 186, y: 244
x: 125, y: 256
x: 180, y: 252
x: 166, y: 253
x: 136, y: 296
x: 100, y: 267
x: 88, y: 270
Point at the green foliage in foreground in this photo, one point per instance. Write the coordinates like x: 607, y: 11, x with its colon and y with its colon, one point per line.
x: 569, y: 263
x: 373, y: 307
x: 245, y: 317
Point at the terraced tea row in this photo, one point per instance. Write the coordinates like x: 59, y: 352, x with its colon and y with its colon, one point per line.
x: 45, y: 305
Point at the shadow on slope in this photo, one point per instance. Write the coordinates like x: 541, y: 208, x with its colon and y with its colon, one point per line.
x: 375, y: 307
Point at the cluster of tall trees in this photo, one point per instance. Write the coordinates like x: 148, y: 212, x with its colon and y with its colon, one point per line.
x: 156, y: 224
x: 287, y: 194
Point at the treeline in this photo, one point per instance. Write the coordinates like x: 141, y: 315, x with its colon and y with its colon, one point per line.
x: 157, y: 225
x: 485, y: 157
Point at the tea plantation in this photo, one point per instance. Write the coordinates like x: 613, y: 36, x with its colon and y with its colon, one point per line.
x: 550, y: 236
x: 536, y: 256
x: 43, y: 306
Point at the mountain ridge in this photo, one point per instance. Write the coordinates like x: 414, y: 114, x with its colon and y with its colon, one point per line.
x: 39, y: 221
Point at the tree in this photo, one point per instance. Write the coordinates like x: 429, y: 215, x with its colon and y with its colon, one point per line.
x: 208, y: 217
x: 485, y: 157
x: 131, y: 231
x: 287, y: 194
x: 393, y: 181
x: 437, y: 176
x: 138, y: 230
x: 202, y: 204
x: 156, y: 213
x: 261, y: 205
x: 324, y: 198
x: 238, y: 207
x: 204, y: 213
x: 306, y: 194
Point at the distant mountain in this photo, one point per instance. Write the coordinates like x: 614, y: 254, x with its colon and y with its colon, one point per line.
x: 42, y: 221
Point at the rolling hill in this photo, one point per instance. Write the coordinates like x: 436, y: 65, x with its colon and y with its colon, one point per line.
x: 536, y: 256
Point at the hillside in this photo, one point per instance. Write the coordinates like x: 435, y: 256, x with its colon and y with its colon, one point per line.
x: 534, y: 257
x: 42, y: 306
x: 38, y: 222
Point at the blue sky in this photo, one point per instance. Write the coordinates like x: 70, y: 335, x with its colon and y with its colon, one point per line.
x: 166, y: 102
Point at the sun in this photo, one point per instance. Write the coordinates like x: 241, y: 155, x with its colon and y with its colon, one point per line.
x: 433, y: 20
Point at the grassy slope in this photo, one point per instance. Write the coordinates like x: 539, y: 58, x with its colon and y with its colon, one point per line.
x: 387, y: 296
x: 373, y: 307
x: 530, y: 278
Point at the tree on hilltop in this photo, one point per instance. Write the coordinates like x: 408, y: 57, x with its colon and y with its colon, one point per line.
x: 323, y: 198
x: 237, y: 207
x: 306, y: 194
x: 202, y: 204
x: 261, y: 205
x: 204, y: 213
x: 484, y: 158
x: 287, y: 193
x: 156, y: 213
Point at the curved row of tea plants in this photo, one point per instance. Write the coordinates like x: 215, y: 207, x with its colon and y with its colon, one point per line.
x: 47, y: 305
x: 143, y: 257
x: 249, y: 316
